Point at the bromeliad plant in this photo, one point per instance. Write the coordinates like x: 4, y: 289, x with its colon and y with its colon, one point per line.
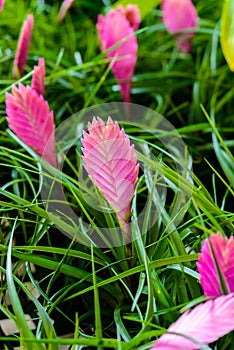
x: 179, y: 16
x: 215, y: 318
x: 117, y: 40
x: 29, y: 116
x: 112, y: 165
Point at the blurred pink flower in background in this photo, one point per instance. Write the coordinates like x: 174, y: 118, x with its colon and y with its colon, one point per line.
x: 66, y: 5
x: 111, y: 164
x: 22, y: 48
x: 216, y: 265
x: 30, y: 118
x: 179, y: 15
x: 38, y: 77
x: 115, y: 26
x: 205, y: 324
x: 2, y: 3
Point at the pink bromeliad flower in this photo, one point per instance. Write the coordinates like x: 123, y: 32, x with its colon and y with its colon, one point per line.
x: 66, y: 5
x: 112, y: 165
x: 179, y: 15
x: 113, y: 28
x: 38, y: 77
x: 203, y: 325
x: 2, y: 3
x: 216, y: 265
x: 29, y: 116
x: 22, y: 48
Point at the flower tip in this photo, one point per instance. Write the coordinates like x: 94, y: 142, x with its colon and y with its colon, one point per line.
x: 22, y: 47
x: 2, y: 3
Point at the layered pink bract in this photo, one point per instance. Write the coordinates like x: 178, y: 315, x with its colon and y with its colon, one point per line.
x: 214, y: 261
x: 179, y: 15
x: 2, y: 3
x: 29, y: 116
x: 204, y: 324
x: 114, y: 27
x: 112, y: 165
x: 66, y: 5
x: 38, y: 77
x: 22, y: 48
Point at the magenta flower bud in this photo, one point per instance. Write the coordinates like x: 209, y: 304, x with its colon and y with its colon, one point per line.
x: 179, y: 15
x: 111, y: 164
x: 30, y: 118
x: 38, y: 77
x: 114, y: 27
x: 216, y: 262
x: 2, y: 3
x: 22, y: 48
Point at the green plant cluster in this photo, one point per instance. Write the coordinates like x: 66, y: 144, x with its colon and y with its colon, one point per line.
x: 114, y: 298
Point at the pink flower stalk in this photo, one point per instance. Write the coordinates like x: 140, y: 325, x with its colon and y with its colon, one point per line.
x: 66, y: 5
x: 38, y: 77
x: 29, y: 116
x: 216, y: 265
x: 179, y: 15
x: 22, y: 48
x: 203, y: 325
x: 112, y: 165
x: 114, y: 27
x: 2, y: 3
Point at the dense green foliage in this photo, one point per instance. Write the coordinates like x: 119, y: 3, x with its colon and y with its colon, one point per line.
x: 114, y: 298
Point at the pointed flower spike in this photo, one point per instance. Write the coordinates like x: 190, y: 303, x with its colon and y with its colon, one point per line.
x: 113, y: 28
x: 112, y: 165
x: 179, y: 15
x: 227, y: 32
x: 66, y: 5
x: 203, y: 325
x: 2, y: 3
x: 216, y: 265
x: 38, y: 77
x: 22, y: 48
x: 28, y: 115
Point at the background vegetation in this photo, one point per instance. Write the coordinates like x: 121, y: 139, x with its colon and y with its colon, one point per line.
x: 109, y: 298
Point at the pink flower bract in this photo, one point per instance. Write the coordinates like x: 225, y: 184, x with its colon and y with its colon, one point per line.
x: 112, y: 165
x: 29, y: 116
x: 223, y: 251
x: 2, y: 3
x: 113, y: 28
x: 204, y: 324
x: 22, y: 48
x: 38, y: 77
x: 179, y: 15
x: 66, y: 5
